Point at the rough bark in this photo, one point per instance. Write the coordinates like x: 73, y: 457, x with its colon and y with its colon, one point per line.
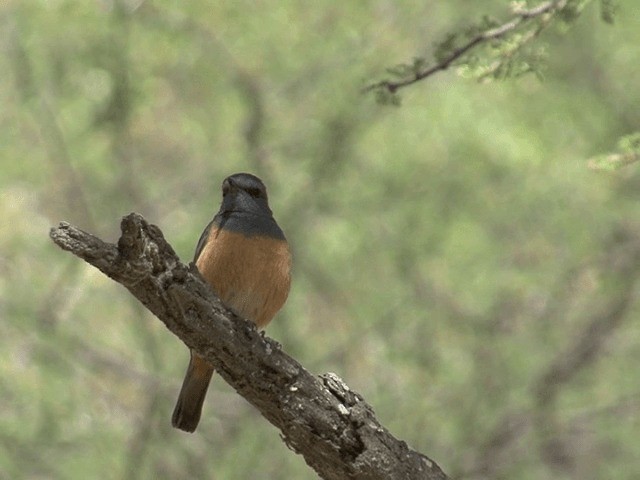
x: 319, y: 416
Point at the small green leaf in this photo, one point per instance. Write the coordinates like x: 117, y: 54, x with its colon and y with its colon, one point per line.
x: 629, y: 152
x: 419, y: 64
x: 571, y: 11
x: 630, y: 143
x: 445, y: 48
x: 608, y: 10
x: 612, y: 161
x: 385, y: 97
x: 400, y: 71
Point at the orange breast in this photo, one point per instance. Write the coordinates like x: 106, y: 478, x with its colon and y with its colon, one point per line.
x: 251, y: 275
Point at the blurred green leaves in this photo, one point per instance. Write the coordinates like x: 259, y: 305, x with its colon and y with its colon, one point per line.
x: 628, y: 152
x: 490, y: 49
x: 608, y: 10
x: 444, y: 252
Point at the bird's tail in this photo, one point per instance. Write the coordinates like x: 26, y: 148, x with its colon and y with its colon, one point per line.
x: 186, y: 415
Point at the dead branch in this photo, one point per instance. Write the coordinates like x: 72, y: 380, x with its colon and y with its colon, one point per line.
x: 319, y: 416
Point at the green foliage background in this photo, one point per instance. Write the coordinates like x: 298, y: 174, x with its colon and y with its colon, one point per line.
x: 446, y: 252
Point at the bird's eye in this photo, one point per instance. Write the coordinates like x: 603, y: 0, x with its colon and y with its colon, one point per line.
x: 254, y: 192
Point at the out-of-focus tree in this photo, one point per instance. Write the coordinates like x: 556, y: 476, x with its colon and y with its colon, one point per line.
x: 456, y: 260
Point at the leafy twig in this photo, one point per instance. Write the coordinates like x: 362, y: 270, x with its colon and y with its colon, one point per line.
x: 419, y: 70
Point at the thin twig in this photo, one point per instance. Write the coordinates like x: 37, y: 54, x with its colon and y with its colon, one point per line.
x: 522, y: 16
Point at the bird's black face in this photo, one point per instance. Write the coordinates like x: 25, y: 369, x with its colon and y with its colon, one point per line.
x: 243, y: 192
x: 244, y: 182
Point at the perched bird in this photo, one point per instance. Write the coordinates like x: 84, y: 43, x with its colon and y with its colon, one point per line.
x: 244, y: 255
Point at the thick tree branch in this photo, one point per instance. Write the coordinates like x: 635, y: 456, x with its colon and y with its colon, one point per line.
x: 320, y: 417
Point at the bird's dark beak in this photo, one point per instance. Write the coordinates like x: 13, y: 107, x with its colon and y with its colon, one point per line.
x: 227, y: 186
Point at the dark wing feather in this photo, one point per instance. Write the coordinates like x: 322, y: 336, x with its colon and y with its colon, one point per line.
x: 203, y: 240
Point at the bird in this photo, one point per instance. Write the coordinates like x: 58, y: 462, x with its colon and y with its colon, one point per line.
x: 245, y: 258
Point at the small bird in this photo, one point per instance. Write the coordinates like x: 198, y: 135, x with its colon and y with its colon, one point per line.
x: 244, y: 255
